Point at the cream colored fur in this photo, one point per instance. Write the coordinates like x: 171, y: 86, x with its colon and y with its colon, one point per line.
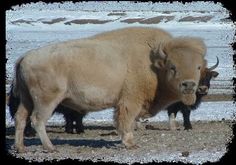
x: 113, y: 69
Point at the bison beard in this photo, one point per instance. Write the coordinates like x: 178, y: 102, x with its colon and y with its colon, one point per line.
x: 70, y: 116
x: 189, y: 99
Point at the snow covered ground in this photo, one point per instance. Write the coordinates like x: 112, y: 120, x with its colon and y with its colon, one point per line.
x: 37, y: 24
x: 207, y: 111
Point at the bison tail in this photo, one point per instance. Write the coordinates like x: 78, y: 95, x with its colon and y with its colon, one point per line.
x: 15, y: 89
x: 13, y: 102
x: 20, y: 90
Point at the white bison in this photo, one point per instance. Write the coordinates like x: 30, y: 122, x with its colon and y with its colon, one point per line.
x: 134, y: 70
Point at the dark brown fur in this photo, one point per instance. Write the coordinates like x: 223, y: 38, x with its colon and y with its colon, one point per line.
x: 173, y: 109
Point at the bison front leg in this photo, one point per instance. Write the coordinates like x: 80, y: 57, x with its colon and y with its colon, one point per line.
x: 125, y: 115
x: 20, y: 123
x: 186, y: 115
x: 172, y: 121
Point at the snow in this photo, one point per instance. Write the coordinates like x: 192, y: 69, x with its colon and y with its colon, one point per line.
x: 213, y: 111
x: 37, y: 16
x: 218, y: 33
x: 123, y: 6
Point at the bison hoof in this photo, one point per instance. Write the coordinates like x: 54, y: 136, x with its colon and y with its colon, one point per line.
x: 69, y: 131
x: 133, y: 147
x: 79, y: 131
x: 173, y: 128
x: 30, y: 134
x: 49, y: 149
x: 188, y: 128
x: 21, y: 149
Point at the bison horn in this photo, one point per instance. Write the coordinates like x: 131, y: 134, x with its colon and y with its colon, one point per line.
x: 150, y: 46
x: 161, y: 52
x: 214, y: 66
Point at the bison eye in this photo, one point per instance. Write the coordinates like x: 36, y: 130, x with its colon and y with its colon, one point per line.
x: 173, y: 68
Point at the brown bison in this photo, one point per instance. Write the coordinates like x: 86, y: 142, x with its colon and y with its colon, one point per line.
x: 131, y: 69
x: 203, y: 88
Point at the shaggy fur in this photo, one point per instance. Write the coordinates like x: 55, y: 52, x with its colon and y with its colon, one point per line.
x: 131, y: 69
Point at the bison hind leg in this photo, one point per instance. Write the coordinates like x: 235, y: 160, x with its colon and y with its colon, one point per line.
x: 79, y: 123
x: 69, y: 124
x: 20, y: 123
x: 41, y: 113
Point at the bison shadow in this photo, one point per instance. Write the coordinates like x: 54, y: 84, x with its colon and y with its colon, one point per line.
x: 72, y: 142
x: 52, y: 129
x: 87, y: 143
x: 95, y: 127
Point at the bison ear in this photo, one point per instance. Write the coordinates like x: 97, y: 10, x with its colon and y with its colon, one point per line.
x: 158, y: 56
x: 214, y: 74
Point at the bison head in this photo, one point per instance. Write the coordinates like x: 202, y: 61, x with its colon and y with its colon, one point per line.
x: 179, y: 64
x: 206, y: 77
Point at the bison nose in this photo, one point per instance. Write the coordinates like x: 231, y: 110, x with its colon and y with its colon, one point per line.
x: 203, y: 89
x: 188, y: 84
x: 188, y: 87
